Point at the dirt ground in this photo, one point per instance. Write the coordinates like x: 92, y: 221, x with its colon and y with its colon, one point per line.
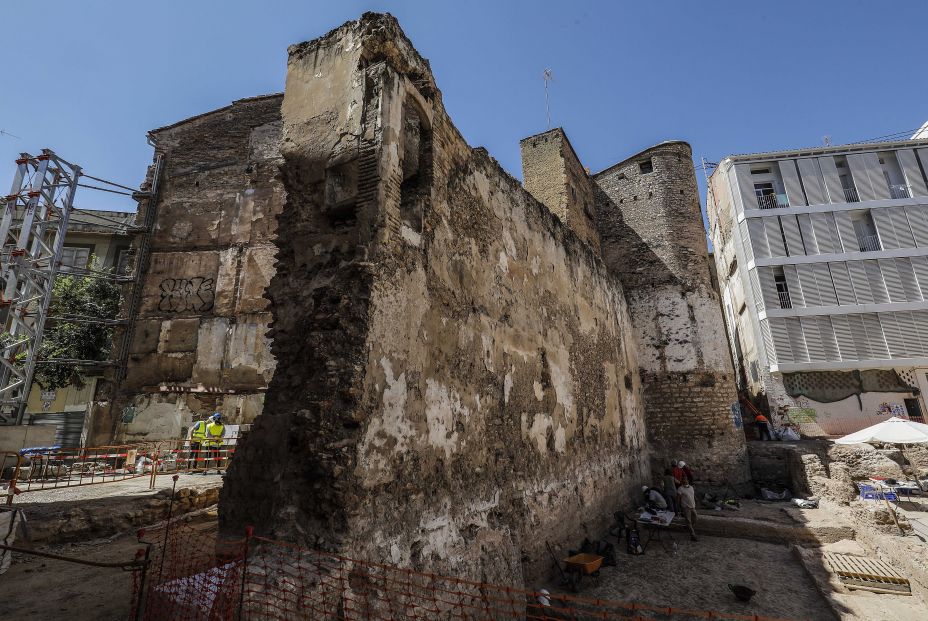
x: 696, y: 575
x: 41, y: 588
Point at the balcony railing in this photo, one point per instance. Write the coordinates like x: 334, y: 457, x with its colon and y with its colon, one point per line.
x: 850, y: 195
x: 899, y: 191
x: 869, y: 243
x: 772, y: 201
x: 784, y: 299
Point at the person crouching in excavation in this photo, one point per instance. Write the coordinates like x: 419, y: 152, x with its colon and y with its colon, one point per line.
x: 215, y: 431
x: 653, y: 498
x: 686, y: 495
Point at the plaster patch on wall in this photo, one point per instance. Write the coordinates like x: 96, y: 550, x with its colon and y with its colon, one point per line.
x: 443, y: 410
x: 392, y: 423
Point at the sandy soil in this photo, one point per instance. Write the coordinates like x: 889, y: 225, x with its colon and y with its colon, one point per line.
x: 41, y: 588
x: 697, y: 574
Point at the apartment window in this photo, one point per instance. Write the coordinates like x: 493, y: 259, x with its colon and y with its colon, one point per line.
x: 867, y: 238
x: 850, y: 192
x: 75, y: 258
x: 123, y: 262
x: 782, y: 289
x: 646, y: 166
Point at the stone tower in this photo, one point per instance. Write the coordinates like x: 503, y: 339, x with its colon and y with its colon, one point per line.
x: 652, y: 237
x: 554, y: 175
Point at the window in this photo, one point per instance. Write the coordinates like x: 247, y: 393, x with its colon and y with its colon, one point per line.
x: 646, y: 166
x: 779, y: 277
x: 760, y: 171
x: 74, y: 258
x: 123, y: 262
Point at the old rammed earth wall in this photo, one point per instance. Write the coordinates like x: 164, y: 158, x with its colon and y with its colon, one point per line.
x: 456, y: 374
x: 199, y: 337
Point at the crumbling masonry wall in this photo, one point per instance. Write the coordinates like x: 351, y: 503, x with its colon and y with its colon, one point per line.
x: 199, y: 338
x: 456, y: 373
x: 652, y: 237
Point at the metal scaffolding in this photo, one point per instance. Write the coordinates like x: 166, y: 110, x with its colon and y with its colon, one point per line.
x: 32, y: 233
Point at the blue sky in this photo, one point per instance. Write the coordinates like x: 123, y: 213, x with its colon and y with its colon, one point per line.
x: 90, y: 78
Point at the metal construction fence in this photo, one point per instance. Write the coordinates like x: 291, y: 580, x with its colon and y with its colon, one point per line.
x: 50, y: 468
x: 193, y: 576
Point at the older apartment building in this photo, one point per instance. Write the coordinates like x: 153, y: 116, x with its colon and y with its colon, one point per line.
x: 822, y: 260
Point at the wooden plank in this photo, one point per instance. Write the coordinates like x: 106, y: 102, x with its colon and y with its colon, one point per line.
x: 861, y: 568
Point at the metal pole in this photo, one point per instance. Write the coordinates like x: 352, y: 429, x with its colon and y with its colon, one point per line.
x: 167, y: 527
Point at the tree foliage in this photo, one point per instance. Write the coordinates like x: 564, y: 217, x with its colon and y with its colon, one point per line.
x: 77, y: 296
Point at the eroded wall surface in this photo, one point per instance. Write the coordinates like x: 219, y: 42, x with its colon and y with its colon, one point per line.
x: 652, y: 237
x: 457, y: 376
x: 200, y: 336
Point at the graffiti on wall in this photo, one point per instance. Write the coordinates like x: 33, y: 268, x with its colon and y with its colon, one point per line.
x: 736, y: 415
x: 185, y: 295
x: 891, y: 409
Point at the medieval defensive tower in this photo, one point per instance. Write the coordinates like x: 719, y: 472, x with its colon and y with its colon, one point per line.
x: 652, y: 238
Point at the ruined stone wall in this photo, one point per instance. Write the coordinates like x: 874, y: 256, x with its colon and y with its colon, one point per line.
x: 652, y: 237
x: 553, y: 174
x: 199, y: 338
x: 456, y: 376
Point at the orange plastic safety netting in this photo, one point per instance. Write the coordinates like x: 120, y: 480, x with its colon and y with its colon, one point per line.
x: 192, y: 576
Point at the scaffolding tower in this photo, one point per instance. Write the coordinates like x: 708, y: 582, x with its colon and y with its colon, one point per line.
x: 32, y: 233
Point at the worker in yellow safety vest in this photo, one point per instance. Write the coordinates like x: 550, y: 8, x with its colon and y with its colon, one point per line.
x: 215, y: 431
x: 197, y: 437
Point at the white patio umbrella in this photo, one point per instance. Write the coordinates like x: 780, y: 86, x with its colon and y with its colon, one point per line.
x: 892, y: 431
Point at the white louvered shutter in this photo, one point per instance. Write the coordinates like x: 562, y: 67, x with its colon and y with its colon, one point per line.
x: 756, y: 289
x: 746, y: 186
x: 813, y: 339
x: 846, y: 231
x: 918, y: 220
x: 859, y: 334
x: 842, y: 281
x: 832, y: 179
x: 913, y: 344
x: 810, y: 292
x: 793, y: 237
x: 791, y: 183
x: 875, y: 338
x: 909, y: 282
x: 891, y: 279
x: 901, y: 227
x: 759, y: 238
x: 913, y: 175
x: 826, y: 288
x: 859, y: 280
x: 877, y: 286
x: 796, y: 298
x: 746, y: 240
x: 844, y: 338
x: 858, y: 166
x: 920, y: 267
x: 774, y: 237
x: 894, y: 340
x: 768, y: 287
x: 808, y: 236
x: 797, y: 342
x: 884, y: 228
x: 829, y: 342
x: 823, y: 235
x: 780, y: 339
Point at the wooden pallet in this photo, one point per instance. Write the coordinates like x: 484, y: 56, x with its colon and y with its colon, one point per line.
x: 867, y: 574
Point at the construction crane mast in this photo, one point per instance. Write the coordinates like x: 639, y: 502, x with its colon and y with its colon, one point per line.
x: 32, y: 232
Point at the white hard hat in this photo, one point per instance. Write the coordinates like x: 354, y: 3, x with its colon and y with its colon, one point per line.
x: 681, y: 464
x: 644, y: 488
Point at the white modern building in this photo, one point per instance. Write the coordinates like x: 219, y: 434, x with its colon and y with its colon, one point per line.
x: 822, y: 261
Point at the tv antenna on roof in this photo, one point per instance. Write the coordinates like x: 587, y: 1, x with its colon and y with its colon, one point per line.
x: 3, y: 132
x: 548, y: 76
x: 826, y: 140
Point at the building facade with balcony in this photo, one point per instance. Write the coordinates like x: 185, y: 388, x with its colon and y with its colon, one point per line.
x: 822, y: 262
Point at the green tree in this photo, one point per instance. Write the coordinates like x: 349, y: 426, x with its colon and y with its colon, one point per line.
x: 80, y: 297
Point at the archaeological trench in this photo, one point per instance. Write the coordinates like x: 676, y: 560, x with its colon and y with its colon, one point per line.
x: 444, y: 368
